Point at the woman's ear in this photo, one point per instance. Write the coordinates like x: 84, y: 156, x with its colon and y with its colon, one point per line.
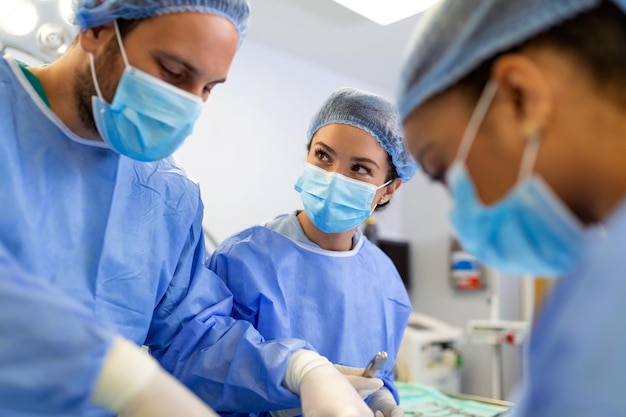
x: 390, y: 189
x: 94, y: 39
x: 521, y: 81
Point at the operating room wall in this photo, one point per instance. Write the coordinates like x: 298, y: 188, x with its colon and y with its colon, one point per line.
x: 249, y: 146
x: 248, y: 149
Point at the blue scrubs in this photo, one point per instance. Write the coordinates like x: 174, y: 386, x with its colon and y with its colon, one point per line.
x: 348, y: 305
x: 123, y: 240
x: 576, y: 363
x: 48, y: 338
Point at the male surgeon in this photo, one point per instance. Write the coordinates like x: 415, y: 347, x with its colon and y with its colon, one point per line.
x: 101, y: 238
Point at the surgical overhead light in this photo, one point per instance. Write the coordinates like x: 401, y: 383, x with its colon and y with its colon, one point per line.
x: 37, y: 28
x: 18, y: 17
x: 385, y: 12
x: 52, y: 38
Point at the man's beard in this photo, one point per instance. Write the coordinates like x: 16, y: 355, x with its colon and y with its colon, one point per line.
x: 85, y: 89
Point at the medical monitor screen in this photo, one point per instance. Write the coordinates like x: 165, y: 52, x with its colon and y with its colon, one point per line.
x: 399, y: 252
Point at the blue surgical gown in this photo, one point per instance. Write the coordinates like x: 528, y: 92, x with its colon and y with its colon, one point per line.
x: 123, y: 241
x: 31, y: 310
x: 576, y: 365
x: 347, y: 304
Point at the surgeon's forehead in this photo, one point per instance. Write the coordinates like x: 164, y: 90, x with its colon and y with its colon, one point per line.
x: 434, y: 115
x: 433, y: 130
x: 199, y: 37
x: 187, y: 24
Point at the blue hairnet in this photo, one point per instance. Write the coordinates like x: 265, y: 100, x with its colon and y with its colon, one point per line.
x: 90, y: 13
x: 455, y: 37
x: 372, y: 113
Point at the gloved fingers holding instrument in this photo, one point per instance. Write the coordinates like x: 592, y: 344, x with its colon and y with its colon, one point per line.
x: 380, y: 401
x: 383, y: 403
x: 362, y: 379
x: 324, y: 392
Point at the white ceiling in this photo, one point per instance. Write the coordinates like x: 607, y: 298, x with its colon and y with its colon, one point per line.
x: 334, y: 37
x: 322, y: 31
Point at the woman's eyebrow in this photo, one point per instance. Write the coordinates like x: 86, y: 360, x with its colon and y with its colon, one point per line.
x: 365, y: 160
x: 326, y: 148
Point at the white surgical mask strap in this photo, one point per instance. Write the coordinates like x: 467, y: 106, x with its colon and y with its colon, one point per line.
x: 476, y: 120
x: 93, y: 75
x: 384, y: 185
x: 529, y: 157
x: 93, y: 64
x: 378, y: 188
x: 118, y: 35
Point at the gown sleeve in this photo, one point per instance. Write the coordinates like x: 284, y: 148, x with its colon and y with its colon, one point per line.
x: 51, y: 347
x: 258, y: 264
x: 224, y: 361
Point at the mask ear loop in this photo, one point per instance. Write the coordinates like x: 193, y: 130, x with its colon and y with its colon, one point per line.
x: 476, y: 120
x: 118, y: 35
x: 378, y: 188
x: 93, y: 65
x: 384, y: 185
x: 529, y: 157
x: 93, y: 75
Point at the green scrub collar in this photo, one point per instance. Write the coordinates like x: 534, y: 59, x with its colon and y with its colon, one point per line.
x: 34, y: 81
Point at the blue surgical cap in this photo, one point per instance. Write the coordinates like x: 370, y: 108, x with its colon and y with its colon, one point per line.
x: 373, y: 114
x: 456, y: 36
x: 91, y: 13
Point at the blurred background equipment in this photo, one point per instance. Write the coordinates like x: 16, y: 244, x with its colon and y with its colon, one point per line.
x: 429, y: 355
x: 466, y: 273
x: 36, y: 31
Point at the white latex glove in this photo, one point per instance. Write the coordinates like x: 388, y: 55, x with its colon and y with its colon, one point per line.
x: 382, y: 403
x: 133, y: 384
x: 323, y: 390
x: 364, y: 385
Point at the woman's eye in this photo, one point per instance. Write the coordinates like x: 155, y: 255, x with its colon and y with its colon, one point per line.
x: 360, y: 169
x: 322, y: 156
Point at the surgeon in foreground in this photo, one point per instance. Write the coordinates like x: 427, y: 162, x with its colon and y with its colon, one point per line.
x: 101, y: 246
x: 519, y: 108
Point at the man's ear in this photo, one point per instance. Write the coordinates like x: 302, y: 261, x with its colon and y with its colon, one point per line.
x: 94, y: 39
x: 521, y: 81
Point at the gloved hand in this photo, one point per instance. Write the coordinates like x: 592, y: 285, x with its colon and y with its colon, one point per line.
x: 382, y: 403
x: 323, y: 390
x: 133, y: 384
x: 364, y: 385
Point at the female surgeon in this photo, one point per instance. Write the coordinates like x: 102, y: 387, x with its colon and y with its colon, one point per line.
x: 312, y: 274
x: 519, y: 109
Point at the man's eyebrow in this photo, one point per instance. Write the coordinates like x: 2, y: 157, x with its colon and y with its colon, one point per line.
x: 188, y: 66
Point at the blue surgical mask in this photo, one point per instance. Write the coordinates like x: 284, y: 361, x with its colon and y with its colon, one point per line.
x: 334, y: 202
x: 529, y: 231
x: 148, y: 118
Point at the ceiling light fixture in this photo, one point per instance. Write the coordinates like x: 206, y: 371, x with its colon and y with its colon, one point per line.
x: 65, y: 10
x: 39, y: 29
x: 18, y: 17
x: 385, y: 12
